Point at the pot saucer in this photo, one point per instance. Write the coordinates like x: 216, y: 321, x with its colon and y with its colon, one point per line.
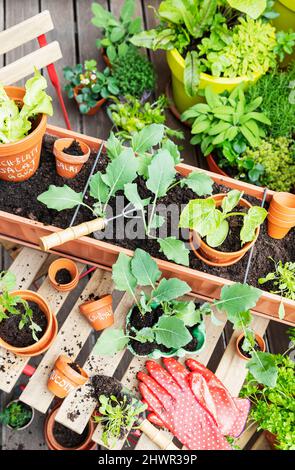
x: 48, y: 344
x: 213, y: 263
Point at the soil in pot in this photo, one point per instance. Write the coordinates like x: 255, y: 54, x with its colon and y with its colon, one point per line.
x: 247, y: 354
x: 68, y: 438
x: 74, y: 149
x: 12, y: 335
x: 63, y: 276
x: 75, y: 367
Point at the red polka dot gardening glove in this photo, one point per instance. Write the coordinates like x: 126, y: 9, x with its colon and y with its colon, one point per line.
x: 171, y: 400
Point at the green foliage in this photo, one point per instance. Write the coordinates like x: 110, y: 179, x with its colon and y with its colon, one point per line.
x: 174, y: 250
x: 16, y: 415
x: 273, y: 407
x: 263, y: 368
x: 252, y: 8
x: 93, y: 84
x: 282, y: 278
x: 16, y: 123
x: 60, y: 198
x: 285, y: 44
x: 134, y: 74
x: 209, y: 221
x: 118, y: 417
x: 116, y: 32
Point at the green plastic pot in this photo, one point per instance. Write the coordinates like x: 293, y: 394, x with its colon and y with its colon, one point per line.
x: 286, y: 20
x: 219, y: 84
x: 199, y: 332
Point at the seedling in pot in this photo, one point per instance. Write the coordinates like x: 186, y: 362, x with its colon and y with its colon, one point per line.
x: 282, y: 278
x: 16, y: 415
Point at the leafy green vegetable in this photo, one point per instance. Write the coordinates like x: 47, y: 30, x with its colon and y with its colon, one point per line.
x: 122, y: 274
x: 144, y: 268
x: 174, y: 250
x: 253, y: 8
x: 171, y: 332
x: 148, y: 137
x: 199, y: 182
x: 110, y: 342
x: 282, y: 278
x: 120, y: 171
x: 169, y: 289
x: 16, y: 415
x: 237, y: 298
x: 60, y: 197
x: 263, y: 368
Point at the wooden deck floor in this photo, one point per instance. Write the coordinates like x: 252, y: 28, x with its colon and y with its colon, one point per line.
x: 77, y: 37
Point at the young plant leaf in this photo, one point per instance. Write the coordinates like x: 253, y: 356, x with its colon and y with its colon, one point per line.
x: 122, y: 274
x: 253, y: 8
x: 147, y: 138
x: 252, y: 220
x: 240, y: 320
x: 144, y: 268
x: 201, y: 215
x: 171, y: 332
x: 114, y: 146
x: 199, y: 182
x: 98, y: 189
x: 192, y: 73
x: 231, y: 200
x: 217, y: 237
x: 187, y: 312
x: 7, y: 280
x: 237, y: 298
x: 145, y: 335
x: 161, y: 173
x: 174, y: 250
x: 60, y: 198
x: 131, y: 192
x: 110, y: 342
x: 157, y: 222
x: 170, y: 289
x: 120, y: 171
x: 262, y: 366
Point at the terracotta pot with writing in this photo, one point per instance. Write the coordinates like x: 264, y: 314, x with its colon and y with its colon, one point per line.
x: 99, y: 313
x: 64, y: 379
x: 68, y: 166
x: 20, y: 160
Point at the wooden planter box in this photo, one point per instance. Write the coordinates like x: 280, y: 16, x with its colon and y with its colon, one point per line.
x: 103, y: 254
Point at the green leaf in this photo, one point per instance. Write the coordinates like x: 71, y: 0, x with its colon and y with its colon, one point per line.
x: 240, y: 320
x: 253, y: 8
x: 174, y: 250
x: 127, y: 10
x: 145, y: 335
x: 7, y: 280
x: 262, y: 366
x: 60, y: 198
x: 237, y: 298
x: 131, y: 192
x: 199, y: 182
x: 143, y: 165
x: 157, y: 222
x: 201, y: 215
x: 161, y: 173
x: 281, y: 310
x: 147, y: 138
x: 122, y: 274
x: 121, y: 170
x: 110, y: 342
x: 187, y: 312
x: 217, y: 237
x: 144, y: 268
x: 114, y: 146
x: 231, y: 200
x: 192, y: 73
x: 98, y: 189
x: 171, y: 332
x: 170, y: 289
x: 252, y: 220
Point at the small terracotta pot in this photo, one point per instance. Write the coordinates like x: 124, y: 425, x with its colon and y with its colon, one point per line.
x: 20, y: 160
x: 281, y: 215
x: 95, y: 108
x: 214, y: 167
x: 215, y: 257
x: 69, y: 265
x: 52, y: 443
x: 68, y: 166
x: 63, y: 379
x: 99, y: 313
x: 29, y: 422
x: 259, y: 341
x: 45, y: 342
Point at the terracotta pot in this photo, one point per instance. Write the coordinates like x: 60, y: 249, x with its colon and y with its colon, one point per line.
x: 68, y: 166
x: 45, y: 342
x: 95, y: 108
x: 63, y: 263
x: 215, y: 257
x: 105, y: 58
x: 26, y: 425
x: 213, y: 166
x: 20, y: 160
x: 52, y: 443
x: 63, y: 379
x: 259, y: 340
x: 281, y: 215
x: 99, y: 313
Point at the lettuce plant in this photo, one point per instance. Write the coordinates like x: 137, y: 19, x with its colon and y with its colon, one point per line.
x: 16, y: 121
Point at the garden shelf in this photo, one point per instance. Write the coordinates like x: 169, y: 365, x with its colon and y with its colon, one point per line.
x: 102, y: 254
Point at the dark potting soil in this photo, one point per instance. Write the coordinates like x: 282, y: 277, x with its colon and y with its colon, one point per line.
x: 74, y: 149
x: 105, y: 385
x: 193, y: 344
x: 247, y: 354
x: 63, y: 276
x: 10, y: 332
x: 68, y: 438
x: 75, y: 367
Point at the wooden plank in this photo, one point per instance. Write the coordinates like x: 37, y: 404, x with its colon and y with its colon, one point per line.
x: 261, y: 443
x: 25, y: 31
x: 1, y: 26
x: 70, y: 339
x: 25, y: 66
x: 245, y: 437
x: 78, y: 403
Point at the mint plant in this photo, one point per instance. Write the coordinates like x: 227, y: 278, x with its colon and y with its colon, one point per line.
x: 204, y: 217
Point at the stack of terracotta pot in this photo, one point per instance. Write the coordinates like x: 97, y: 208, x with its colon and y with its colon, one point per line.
x: 281, y: 215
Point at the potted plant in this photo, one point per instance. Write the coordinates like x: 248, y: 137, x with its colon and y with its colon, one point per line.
x: 17, y: 415
x: 284, y: 19
x: 248, y: 342
x: 210, y: 44
x: 63, y: 274
x: 27, y: 325
x: 116, y: 33
x: 157, y: 325
x: 217, y: 229
x: 70, y: 156
x: 99, y: 312
x: 89, y: 86
x: 65, y: 377
x: 282, y: 279
x: 22, y: 126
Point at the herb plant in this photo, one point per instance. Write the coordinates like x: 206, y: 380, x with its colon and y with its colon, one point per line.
x: 15, y: 305
x: 93, y: 84
x: 16, y: 415
x: 116, y: 32
x: 117, y: 416
x: 204, y: 217
x: 282, y: 278
x: 171, y: 329
x: 16, y: 122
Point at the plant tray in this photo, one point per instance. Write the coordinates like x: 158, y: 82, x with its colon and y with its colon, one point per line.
x: 102, y: 254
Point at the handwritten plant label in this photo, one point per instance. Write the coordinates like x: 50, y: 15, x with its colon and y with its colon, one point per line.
x: 20, y: 167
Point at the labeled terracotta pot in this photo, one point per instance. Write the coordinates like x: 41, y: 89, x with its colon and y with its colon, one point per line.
x: 68, y: 166
x: 63, y: 264
x: 219, y: 258
x: 25, y: 426
x: 95, y: 108
x: 50, y: 333
x: 99, y: 313
x: 281, y: 215
x: 64, y: 379
x: 20, y: 160
x: 53, y: 444
x: 259, y: 340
